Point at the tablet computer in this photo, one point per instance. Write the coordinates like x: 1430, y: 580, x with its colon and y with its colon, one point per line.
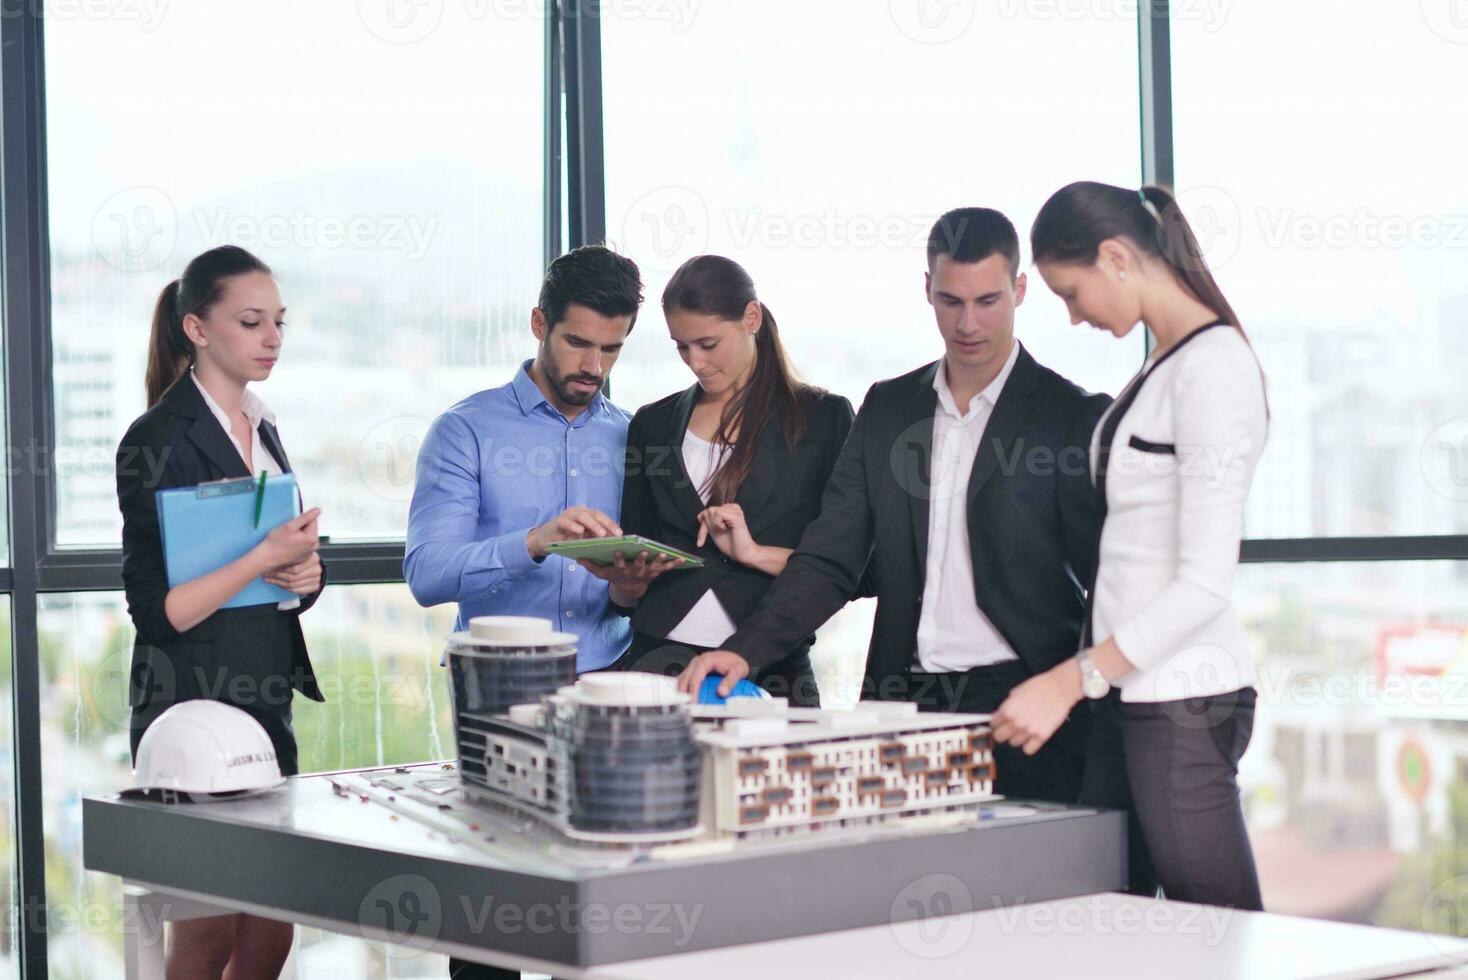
x: 602, y: 551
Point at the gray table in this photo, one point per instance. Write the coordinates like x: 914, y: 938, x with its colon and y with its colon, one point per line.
x: 397, y: 855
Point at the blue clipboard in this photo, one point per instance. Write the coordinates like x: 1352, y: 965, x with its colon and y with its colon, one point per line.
x: 208, y: 526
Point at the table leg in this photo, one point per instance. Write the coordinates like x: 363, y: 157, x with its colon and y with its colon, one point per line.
x: 142, y: 941
x: 145, y: 913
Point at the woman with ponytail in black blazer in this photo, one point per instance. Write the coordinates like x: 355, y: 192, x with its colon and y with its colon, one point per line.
x: 1164, y: 656
x: 215, y: 330
x: 731, y: 469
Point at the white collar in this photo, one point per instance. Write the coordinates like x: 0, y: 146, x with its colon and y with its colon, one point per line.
x: 989, y: 394
x: 255, y: 410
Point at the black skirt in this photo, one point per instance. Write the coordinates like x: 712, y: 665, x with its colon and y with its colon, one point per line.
x: 242, y: 657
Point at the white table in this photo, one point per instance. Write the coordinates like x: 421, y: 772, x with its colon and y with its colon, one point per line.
x: 1087, y: 938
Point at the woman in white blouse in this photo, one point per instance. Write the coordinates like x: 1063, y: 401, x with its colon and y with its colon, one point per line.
x: 1164, y: 657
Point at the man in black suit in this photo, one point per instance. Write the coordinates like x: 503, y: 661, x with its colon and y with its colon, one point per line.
x: 966, y: 483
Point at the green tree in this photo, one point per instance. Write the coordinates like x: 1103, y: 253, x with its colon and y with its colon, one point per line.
x: 1430, y: 891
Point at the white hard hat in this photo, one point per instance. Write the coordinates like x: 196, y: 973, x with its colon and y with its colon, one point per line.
x: 206, y: 747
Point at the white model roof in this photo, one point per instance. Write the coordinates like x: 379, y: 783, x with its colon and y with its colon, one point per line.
x: 754, y: 722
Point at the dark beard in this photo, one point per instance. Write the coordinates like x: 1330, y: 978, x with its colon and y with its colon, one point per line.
x: 562, y: 385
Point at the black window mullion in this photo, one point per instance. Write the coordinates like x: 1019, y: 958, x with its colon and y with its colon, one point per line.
x: 26, y: 295
x: 364, y: 563
x: 553, y: 159
x: 585, y: 149
x: 1154, y: 57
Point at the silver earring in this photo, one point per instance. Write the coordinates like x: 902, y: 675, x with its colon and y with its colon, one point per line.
x: 1122, y: 275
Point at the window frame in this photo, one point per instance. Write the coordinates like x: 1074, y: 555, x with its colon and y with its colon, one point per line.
x: 573, y: 97
x: 571, y: 86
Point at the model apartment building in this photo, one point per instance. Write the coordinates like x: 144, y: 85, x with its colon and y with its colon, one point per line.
x: 772, y: 770
x: 760, y: 768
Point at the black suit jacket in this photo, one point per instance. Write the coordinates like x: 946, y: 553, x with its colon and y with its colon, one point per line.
x: 179, y: 443
x: 1034, y: 524
x: 780, y: 496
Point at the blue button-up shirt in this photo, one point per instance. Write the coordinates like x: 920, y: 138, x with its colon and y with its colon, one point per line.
x: 493, y: 467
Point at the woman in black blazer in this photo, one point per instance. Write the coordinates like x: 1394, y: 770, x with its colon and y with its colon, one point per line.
x: 214, y: 331
x: 732, y: 470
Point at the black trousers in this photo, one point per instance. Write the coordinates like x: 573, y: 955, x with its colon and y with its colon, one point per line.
x: 1053, y: 774
x: 1173, y: 767
x: 789, y: 678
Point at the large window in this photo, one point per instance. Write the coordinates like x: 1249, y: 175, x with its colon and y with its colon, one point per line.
x: 375, y: 653
x: 385, y: 159
x: 1356, y: 783
x: 16, y: 462
x: 390, y: 160
x: 817, y: 145
x: 1327, y: 194
x: 818, y: 149
x: 1329, y: 190
x: 9, y: 911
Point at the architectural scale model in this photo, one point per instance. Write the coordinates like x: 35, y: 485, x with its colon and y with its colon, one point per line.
x: 772, y: 769
x: 623, y: 757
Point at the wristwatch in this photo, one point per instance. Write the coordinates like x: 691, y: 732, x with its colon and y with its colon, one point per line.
x: 1093, y: 683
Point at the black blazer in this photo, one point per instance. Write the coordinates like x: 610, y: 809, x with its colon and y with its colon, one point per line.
x: 179, y: 443
x: 1034, y: 524
x: 780, y: 497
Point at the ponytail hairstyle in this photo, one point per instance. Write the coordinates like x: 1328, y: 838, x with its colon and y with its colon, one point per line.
x: 1080, y: 216
x: 170, y: 352
x: 712, y: 285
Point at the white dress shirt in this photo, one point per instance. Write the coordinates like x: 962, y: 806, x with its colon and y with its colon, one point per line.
x: 260, y: 457
x: 707, y: 623
x: 953, y: 633
x: 1179, y: 468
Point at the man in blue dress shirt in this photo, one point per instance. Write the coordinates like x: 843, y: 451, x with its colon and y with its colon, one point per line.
x: 510, y: 470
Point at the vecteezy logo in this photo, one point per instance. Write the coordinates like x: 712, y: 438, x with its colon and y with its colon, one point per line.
x: 665, y: 226
x: 387, y: 457
x: 405, y: 911
x: 118, y: 685
x: 135, y: 229
x: 400, y: 21
x: 937, y: 903
x: 1187, y: 683
x: 1448, y: 19
x: 913, y: 457
x: 1445, y: 459
x: 932, y: 21
x: 1445, y: 914
x: 1214, y: 217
